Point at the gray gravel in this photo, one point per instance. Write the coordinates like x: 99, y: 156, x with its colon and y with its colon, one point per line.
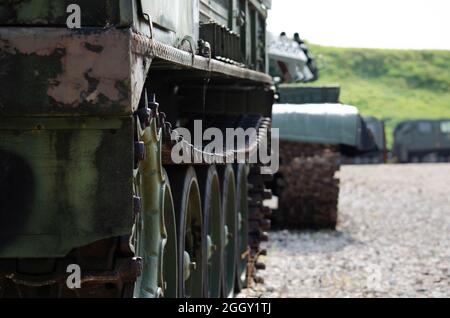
x: 393, y: 240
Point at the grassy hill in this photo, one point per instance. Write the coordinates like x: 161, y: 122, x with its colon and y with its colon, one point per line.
x: 391, y: 84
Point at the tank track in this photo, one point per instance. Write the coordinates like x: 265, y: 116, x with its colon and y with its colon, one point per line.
x: 259, y: 221
x: 307, y: 186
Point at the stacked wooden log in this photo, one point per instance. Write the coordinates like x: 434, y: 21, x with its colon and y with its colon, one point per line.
x: 307, y: 186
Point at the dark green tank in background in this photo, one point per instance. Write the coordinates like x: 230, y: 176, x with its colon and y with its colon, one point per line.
x: 422, y: 141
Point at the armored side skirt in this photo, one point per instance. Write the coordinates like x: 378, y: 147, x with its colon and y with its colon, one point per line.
x: 66, y: 138
x: 64, y: 183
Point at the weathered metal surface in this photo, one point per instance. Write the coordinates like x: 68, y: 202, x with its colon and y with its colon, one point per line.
x: 108, y: 269
x: 103, y: 13
x: 57, y: 71
x: 64, y: 183
x: 126, y: 270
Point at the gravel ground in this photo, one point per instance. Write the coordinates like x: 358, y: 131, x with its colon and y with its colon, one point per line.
x: 393, y: 240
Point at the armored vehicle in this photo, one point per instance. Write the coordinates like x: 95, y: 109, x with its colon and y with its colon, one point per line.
x: 422, y: 141
x: 90, y: 95
x: 316, y: 134
x: 313, y: 140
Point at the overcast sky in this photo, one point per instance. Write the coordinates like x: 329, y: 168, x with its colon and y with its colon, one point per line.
x: 404, y: 24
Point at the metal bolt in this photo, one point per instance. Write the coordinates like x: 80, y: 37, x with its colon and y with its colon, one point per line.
x: 153, y: 105
x: 144, y: 115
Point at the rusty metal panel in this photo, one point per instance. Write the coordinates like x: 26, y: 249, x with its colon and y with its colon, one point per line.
x: 64, y: 183
x: 58, y: 71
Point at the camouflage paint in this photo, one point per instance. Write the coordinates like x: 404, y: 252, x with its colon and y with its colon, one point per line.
x: 66, y: 138
x: 57, y: 71
x: 151, y: 185
x: 64, y: 183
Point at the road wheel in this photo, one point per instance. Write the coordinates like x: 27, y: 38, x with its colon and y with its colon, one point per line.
x: 170, y: 258
x: 212, y: 231
x: 188, y: 211
x: 229, y: 207
x: 242, y: 256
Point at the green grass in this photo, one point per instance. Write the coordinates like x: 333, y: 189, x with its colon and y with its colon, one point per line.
x: 394, y: 85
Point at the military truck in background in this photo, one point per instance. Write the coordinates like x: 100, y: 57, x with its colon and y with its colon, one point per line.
x: 87, y: 119
x: 422, y: 141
